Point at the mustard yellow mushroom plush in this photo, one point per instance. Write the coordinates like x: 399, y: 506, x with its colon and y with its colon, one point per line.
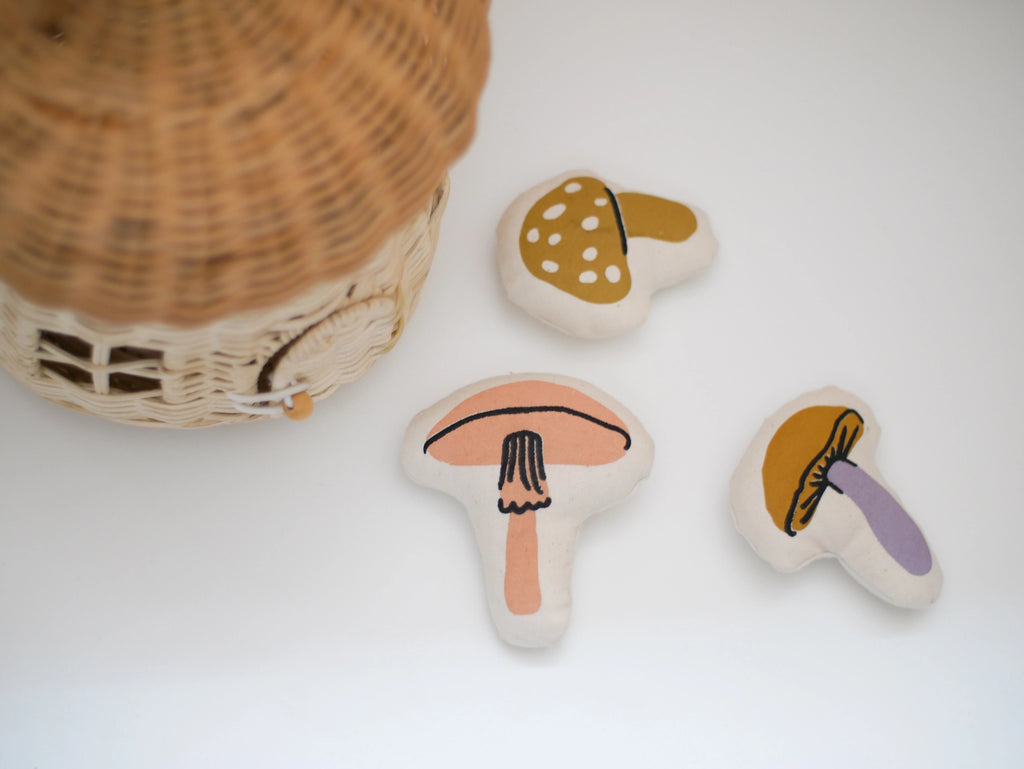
x: 584, y: 256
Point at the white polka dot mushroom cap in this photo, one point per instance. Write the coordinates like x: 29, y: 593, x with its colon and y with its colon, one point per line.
x: 583, y: 255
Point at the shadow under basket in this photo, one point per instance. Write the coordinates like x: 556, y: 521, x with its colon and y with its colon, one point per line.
x: 252, y: 365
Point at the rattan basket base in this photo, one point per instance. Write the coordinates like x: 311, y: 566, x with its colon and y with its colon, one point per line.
x: 161, y: 375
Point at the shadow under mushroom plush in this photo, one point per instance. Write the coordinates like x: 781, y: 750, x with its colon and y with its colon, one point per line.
x: 585, y: 257
x: 530, y: 457
x: 782, y: 503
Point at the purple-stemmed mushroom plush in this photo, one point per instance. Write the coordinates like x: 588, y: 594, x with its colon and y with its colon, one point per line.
x: 530, y: 457
x: 808, y: 487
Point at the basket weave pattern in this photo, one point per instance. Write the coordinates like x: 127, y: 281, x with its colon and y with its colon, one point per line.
x: 202, y: 199
x: 163, y: 375
x: 183, y: 160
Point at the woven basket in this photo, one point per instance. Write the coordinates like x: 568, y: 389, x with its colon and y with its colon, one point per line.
x: 208, y: 206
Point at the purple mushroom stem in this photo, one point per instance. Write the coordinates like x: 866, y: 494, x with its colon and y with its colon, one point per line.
x: 892, y: 526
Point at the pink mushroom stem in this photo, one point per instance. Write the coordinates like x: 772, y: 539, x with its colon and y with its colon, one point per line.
x: 895, y: 530
x: 523, y: 490
x: 522, y: 579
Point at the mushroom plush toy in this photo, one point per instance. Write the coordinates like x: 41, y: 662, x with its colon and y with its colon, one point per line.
x: 530, y: 457
x: 808, y: 487
x: 584, y: 256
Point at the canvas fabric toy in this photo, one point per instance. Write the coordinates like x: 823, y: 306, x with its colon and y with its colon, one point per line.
x: 808, y: 487
x: 585, y: 256
x: 530, y: 457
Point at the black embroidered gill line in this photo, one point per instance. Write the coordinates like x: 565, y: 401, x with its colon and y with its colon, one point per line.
x: 504, y: 464
x: 518, y: 509
x: 537, y: 461
x: 521, y: 448
x: 811, y: 503
x: 527, y: 410
x: 532, y: 448
x: 853, y: 435
x: 618, y: 219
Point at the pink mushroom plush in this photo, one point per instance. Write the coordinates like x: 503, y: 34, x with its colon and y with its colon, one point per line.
x: 530, y: 457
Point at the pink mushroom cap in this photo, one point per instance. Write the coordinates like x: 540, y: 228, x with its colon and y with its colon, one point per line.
x: 577, y: 430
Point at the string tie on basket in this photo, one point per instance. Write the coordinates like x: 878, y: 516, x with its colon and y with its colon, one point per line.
x: 294, y: 400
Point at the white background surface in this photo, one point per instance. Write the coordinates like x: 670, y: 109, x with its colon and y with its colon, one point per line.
x: 279, y: 595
